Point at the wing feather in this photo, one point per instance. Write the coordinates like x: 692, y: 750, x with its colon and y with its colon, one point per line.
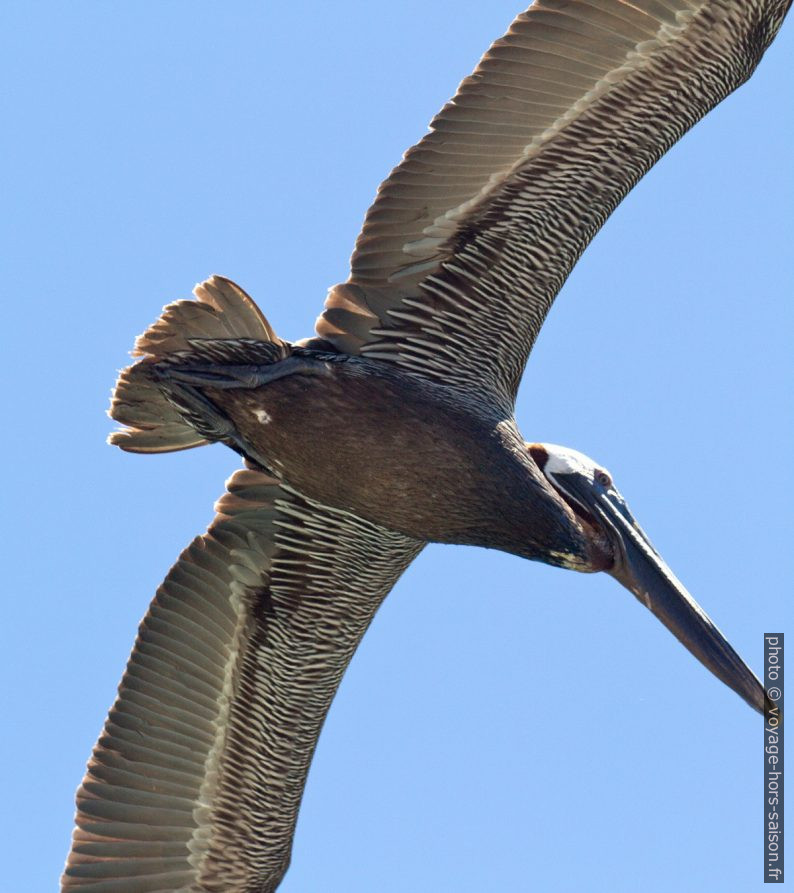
x: 196, y: 779
x: 471, y: 237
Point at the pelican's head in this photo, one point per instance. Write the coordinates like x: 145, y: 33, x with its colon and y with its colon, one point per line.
x: 621, y: 548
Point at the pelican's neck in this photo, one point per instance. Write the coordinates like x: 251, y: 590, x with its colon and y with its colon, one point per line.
x: 513, y: 508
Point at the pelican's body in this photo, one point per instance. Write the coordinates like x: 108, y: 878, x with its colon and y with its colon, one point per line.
x: 393, y: 427
x: 441, y: 469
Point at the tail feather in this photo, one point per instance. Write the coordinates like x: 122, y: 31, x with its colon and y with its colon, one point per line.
x: 221, y: 311
x: 152, y: 424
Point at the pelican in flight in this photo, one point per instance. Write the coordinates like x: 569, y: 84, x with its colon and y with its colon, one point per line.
x: 391, y: 427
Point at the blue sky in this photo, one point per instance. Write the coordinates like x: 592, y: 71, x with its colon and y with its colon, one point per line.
x: 504, y: 725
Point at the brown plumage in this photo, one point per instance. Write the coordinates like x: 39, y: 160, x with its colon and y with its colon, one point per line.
x: 391, y: 428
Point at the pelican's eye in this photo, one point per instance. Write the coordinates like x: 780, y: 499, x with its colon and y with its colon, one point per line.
x: 603, y: 478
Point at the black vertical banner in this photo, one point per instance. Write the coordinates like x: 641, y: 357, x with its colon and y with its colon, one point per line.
x: 773, y: 759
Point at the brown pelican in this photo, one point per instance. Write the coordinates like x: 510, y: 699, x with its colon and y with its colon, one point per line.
x: 391, y: 428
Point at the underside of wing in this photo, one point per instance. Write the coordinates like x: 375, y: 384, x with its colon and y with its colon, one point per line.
x: 197, y: 777
x: 473, y: 234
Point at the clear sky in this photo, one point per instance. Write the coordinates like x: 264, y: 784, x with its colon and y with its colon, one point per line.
x: 504, y: 726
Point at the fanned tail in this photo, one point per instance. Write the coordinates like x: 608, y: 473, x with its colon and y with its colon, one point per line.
x: 221, y: 320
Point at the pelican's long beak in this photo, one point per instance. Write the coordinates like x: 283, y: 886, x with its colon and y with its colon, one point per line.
x: 640, y: 568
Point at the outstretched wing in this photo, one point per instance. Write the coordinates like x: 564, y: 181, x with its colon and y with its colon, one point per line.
x: 473, y: 234
x: 197, y: 777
